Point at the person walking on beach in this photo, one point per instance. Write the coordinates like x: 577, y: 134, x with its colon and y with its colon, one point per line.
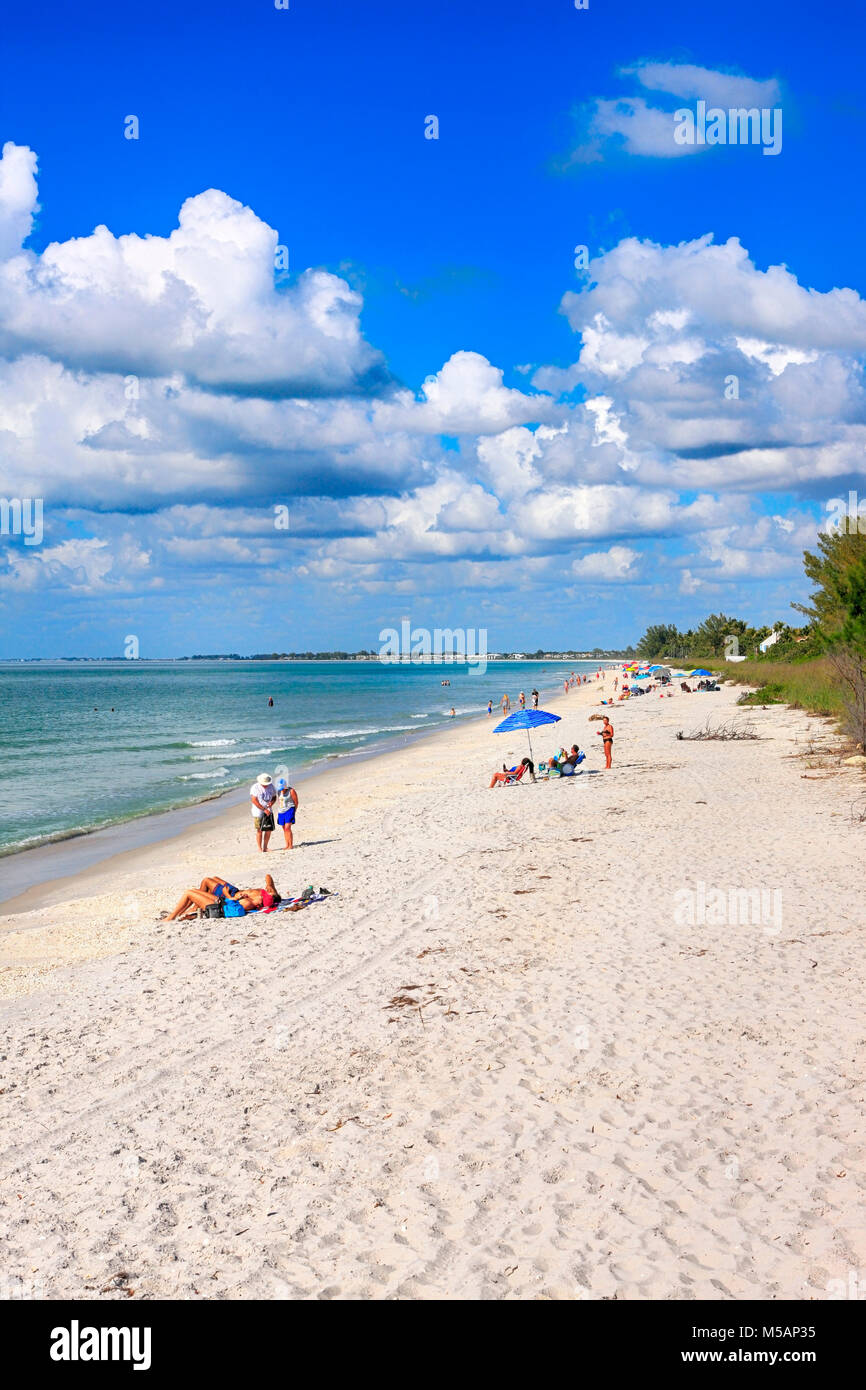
x: 287, y: 805
x: 522, y: 698
x: 506, y: 704
x: 534, y: 699
x: 262, y: 797
x: 606, y: 733
x: 489, y: 706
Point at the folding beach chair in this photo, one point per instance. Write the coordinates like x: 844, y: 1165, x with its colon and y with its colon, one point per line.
x: 514, y: 777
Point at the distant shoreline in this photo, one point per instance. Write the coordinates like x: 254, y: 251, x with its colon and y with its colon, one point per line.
x: 318, y: 659
x: 25, y: 870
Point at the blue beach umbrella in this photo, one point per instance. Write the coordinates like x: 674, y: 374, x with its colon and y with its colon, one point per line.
x: 700, y: 671
x: 526, y: 719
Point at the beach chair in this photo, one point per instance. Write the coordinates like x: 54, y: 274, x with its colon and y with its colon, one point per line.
x: 514, y: 777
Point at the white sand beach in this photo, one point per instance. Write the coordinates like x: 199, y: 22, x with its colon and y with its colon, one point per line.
x: 500, y: 1064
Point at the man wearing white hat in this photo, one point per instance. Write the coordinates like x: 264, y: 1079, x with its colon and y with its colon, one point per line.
x: 262, y: 796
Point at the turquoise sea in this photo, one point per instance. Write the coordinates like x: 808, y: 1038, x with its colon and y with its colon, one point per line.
x: 90, y: 745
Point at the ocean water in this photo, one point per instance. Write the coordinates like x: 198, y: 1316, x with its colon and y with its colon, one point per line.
x: 85, y: 746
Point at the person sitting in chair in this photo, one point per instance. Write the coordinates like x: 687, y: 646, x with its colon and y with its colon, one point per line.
x: 513, y: 774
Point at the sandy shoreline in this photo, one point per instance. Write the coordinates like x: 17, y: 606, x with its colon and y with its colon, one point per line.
x: 499, y: 1065
x: 158, y: 831
x: 59, y: 867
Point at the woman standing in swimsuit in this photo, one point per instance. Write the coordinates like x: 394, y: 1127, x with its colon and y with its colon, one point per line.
x: 606, y: 732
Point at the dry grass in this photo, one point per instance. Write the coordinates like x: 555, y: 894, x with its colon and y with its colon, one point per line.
x: 806, y: 685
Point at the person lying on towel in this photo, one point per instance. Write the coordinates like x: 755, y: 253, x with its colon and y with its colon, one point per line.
x: 247, y: 899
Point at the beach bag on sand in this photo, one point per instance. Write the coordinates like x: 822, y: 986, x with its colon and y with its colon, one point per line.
x: 214, y: 910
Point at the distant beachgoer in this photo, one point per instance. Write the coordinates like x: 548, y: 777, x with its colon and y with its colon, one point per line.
x: 489, y: 706
x: 270, y: 702
x: 522, y: 698
x: 535, y: 699
x: 287, y: 805
x: 616, y: 683
x: 262, y: 797
x: 505, y: 703
x: 606, y: 734
x: 452, y: 712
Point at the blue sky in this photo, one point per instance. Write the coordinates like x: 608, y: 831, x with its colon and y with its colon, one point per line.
x: 574, y: 471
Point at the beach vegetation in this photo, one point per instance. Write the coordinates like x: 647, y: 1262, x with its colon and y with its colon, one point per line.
x: 807, y: 685
x: 837, y: 609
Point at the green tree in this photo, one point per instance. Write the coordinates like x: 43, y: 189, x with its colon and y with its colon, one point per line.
x: 838, y: 552
x: 837, y: 608
x: 710, y: 638
x: 658, y: 640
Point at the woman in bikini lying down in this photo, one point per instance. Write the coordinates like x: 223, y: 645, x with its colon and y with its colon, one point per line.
x: 250, y: 899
